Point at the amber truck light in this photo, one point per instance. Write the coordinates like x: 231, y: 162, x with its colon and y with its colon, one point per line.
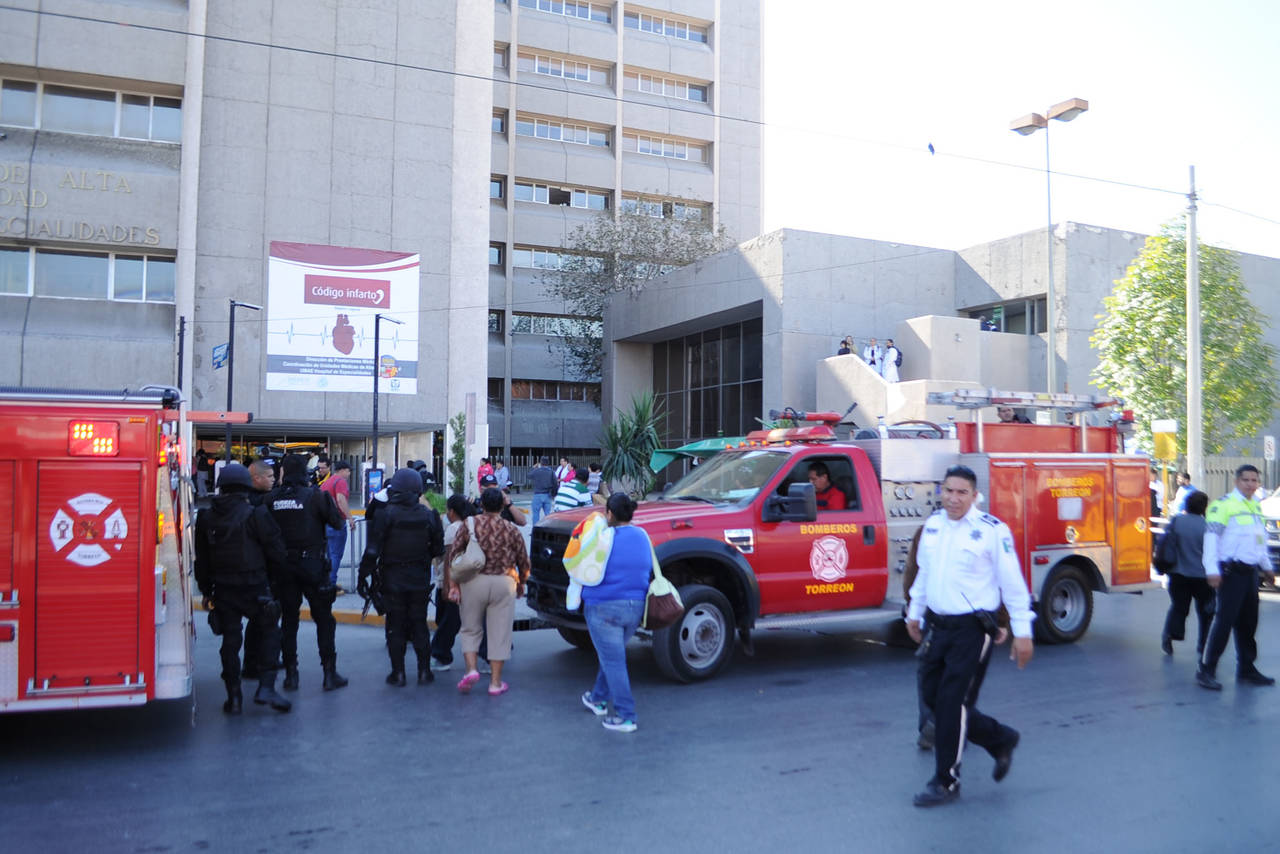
x: 93, y: 438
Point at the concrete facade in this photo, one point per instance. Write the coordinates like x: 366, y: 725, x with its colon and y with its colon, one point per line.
x: 358, y: 123
x: 810, y: 290
x: 727, y: 64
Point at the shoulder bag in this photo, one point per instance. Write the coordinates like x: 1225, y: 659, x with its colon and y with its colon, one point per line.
x: 662, y: 606
x: 467, y: 565
x: 1166, y: 557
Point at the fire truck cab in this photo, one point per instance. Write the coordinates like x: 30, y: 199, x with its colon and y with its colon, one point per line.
x: 751, y: 546
x: 95, y: 597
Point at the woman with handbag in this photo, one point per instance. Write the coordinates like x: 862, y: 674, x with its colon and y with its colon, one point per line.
x: 1186, y: 578
x: 494, y: 577
x: 614, y: 609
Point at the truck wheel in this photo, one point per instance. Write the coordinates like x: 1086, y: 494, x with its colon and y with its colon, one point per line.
x: 1065, y: 606
x: 701, y: 643
x: 581, y: 638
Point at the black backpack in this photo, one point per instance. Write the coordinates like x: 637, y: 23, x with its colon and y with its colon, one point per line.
x: 898, y: 359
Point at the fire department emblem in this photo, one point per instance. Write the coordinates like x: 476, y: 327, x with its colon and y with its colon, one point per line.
x: 829, y: 558
x: 88, y: 529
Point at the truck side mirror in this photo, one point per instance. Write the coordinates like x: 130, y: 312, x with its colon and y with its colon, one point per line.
x: 800, y: 504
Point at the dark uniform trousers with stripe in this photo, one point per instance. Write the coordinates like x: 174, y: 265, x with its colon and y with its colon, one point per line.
x: 953, y: 662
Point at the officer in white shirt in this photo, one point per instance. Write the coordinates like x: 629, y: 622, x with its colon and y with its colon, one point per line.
x: 873, y: 355
x: 967, y: 569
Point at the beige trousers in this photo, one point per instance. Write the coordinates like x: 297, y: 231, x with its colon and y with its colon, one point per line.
x: 488, y: 602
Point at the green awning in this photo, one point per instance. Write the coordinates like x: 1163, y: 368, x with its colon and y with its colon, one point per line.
x: 702, y: 448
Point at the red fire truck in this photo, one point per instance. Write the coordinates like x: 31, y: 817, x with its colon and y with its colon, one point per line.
x: 742, y: 537
x: 95, y: 596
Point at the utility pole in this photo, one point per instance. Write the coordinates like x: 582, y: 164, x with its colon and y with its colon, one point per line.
x: 1195, y: 405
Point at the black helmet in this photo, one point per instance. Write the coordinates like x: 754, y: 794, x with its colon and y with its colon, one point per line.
x: 236, y: 476
x: 406, y: 480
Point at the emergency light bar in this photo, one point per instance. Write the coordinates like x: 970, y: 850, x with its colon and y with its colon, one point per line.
x: 93, y: 438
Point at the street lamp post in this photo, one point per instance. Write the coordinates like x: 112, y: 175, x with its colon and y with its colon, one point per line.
x: 231, y: 362
x: 1063, y: 112
x: 377, y: 340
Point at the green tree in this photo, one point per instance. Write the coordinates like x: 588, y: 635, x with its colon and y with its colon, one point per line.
x: 457, y: 462
x: 1142, y: 344
x: 628, y: 441
x: 606, y: 256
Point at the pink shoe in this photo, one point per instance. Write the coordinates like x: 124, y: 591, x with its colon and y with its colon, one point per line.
x: 500, y: 689
x: 465, y: 683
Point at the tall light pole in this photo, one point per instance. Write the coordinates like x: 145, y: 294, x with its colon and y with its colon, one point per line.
x: 377, y: 340
x: 231, y: 362
x: 1063, y: 112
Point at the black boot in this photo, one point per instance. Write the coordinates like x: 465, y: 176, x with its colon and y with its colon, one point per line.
x: 333, y: 679
x: 397, y: 678
x: 235, y: 700
x: 291, y: 678
x: 425, y: 676
x: 266, y: 694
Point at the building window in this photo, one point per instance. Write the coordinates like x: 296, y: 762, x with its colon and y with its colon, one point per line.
x: 569, y: 69
x: 571, y: 9
x: 495, y: 392
x: 555, y: 390
x: 495, y: 188
x: 499, y: 56
x: 495, y: 321
x: 536, y: 259
x: 495, y: 254
x: 98, y: 112
x: 709, y: 382
x: 499, y: 124
x: 561, y: 132
x: 665, y: 209
x: 663, y: 147
x: 668, y: 87
x: 558, y: 325
x: 667, y: 27
x: 87, y: 275
x: 595, y: 200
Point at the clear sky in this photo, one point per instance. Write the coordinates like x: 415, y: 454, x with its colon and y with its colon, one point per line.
x: 854, y: 92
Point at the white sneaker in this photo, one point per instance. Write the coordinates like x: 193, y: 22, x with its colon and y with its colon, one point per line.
x: 599, y: 709
x: 437, y: 664
x: 618, y: 724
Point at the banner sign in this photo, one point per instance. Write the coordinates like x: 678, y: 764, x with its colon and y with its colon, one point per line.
x: 321, y: 302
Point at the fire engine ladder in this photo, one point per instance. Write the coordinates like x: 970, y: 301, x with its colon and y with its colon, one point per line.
x: 1072, y: 405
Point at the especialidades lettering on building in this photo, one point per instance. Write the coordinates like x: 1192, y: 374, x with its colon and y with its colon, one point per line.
x: 321, y: 306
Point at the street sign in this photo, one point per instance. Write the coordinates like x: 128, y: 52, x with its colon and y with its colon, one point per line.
x: 1269, y: 448
x: 219, y: 356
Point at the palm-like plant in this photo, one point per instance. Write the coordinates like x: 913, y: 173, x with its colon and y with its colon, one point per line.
x: 629, y: 441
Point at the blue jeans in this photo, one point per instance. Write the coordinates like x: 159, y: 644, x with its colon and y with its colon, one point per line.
x: 541, y: 505
x: 611, y: 624
x: 337, y: 547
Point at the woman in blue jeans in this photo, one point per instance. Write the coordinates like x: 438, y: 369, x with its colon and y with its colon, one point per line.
x: 614, y: 609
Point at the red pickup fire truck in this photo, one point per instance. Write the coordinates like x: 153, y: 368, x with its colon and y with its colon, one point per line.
x: 95, y: 597
x: 742, y: 536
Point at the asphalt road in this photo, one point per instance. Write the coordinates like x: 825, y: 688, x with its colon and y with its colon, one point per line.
x: 809, y: 746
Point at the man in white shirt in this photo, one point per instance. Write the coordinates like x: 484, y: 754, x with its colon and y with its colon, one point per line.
x: 873, y: 356
x: 891, y: 356
x: 967, y: 568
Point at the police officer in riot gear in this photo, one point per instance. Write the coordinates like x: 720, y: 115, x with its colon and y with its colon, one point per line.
x: 302, y: 511
x: 406, y: 536
x: 263, y: 476
x: 235, y: 547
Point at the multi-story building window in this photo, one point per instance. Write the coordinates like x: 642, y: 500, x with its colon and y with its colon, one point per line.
x: 555, y: 390
x: 495, y: 254
x: 657, y: 146
x: 669, y: 27
x: 710, y: 382
x: 598, y: 12
x: 665, y: 208
x: 528, y: 257
x: 86, y: 275
x: 561, y: 131
x: 499, y: 121
x: 569, y: 69
x: 495, y: 187
x: 596, y: 200
x: 670, y: 87
x: 559, y: 325
x: 100, y: 112
x: 495, y: 321
x: 499, y: 56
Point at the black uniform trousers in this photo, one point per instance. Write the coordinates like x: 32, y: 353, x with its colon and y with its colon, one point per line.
x: 1182, y: 591
x: 289, y: 588
x: 407, y: 621
x: 232, y: 603
x: 1238, y: 612
x: 448, y: 623
x: 953, y: 662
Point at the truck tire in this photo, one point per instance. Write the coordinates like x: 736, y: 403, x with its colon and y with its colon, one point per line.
x: 701, y: 643
x: 581, y: 638
x: 1065, y: 608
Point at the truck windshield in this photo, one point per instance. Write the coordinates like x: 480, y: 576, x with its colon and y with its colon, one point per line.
x: 731, y: 477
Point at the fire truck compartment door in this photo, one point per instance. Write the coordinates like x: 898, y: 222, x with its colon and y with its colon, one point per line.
x: 1132, y: 503
x: 88, y: 532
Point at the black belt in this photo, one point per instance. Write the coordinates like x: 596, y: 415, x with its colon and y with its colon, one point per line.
x: 952, y: 621
x: 1237, y: 567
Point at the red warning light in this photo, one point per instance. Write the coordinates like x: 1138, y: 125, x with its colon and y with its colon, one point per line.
x: 93, y: 439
